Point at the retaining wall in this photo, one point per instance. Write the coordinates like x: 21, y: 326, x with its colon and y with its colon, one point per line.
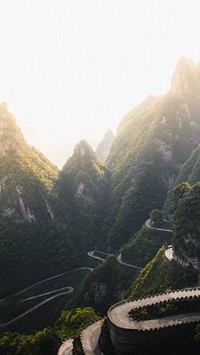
x: 137, y: 341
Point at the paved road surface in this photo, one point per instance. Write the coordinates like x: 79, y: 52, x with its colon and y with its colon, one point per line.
x: 91, y: 254
x: 45, y: 294
x: 66, y: 347
x: 119, y: 313
x: 148, y: 225
x: 89, y: 339
x: 169, y: 253
x: 70, y: 290
x: 119, y: 259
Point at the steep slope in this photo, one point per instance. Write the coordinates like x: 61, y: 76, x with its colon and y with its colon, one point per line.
x: 160, y: 275
x: 152, y: 143
x: 26, y: 176
x: 34, y: 244
x: 84, y: 186
x: 186, y: 229
x: 103, y: 148
x: 190, y: 171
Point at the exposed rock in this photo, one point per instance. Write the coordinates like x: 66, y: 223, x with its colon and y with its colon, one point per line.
x: 182, y: 258
x: 186, y: 80
x: 8, y: 212
x: 103, y: 148
x: 80, y: 189
x: 11, y: 137
x: 26, y: 214
x: 164, y: 149
x: 2, y: 184
x: 49, y: 210
x: 97, y: 293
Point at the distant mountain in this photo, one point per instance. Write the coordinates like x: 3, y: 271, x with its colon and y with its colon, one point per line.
x: 103, y: 148
x: 84, y: 186
x: 152, y: 143
x: 35, y: 242
x: 26, y: 176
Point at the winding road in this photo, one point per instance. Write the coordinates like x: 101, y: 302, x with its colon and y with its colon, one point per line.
x: 148, y: 224
x: 119, y: 258
x: 169, y: 251
x: 66, y: 290
x: 66, y: 348
x: 89, y: 339
x: 118, y: 313
x: 70, y: 290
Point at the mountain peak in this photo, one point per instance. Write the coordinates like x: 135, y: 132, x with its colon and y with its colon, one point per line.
x: 186, y: 79
x: 103, y: 148
x: 11, y: 137
x: 83, y: 148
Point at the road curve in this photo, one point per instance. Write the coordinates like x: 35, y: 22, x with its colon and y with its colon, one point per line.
x: 89, y: 339
x: 45, y: 294
x: 119, y: 259
x: 169, y: 253
x: 118, y: 313
x: 148, y: 225
x: 48, y: 279
x: 70, y: 290
x: 66, y: 347
x: 91, y: 254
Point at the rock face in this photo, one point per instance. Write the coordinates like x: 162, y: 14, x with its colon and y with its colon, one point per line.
x: 83, y: 188
x: 26, y: 176
x: 187, y: 225
x: 186, y: 80
x: 84, y: 173
x: 152, y: 143
x: 11, y: 137
x: 103, y: 148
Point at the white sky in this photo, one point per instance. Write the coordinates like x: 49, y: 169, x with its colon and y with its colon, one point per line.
x: 71, y: 69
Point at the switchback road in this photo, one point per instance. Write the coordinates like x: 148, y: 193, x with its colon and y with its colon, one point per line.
x: 89, y: 339
x: 118, y: 314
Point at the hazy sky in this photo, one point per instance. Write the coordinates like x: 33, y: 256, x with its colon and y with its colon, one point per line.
x: 71, y: 69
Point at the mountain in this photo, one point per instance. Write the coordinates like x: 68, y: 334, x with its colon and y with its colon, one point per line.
x: 84, y: 187
x: 103, y: 148
x: 186, y: 231
x: 190, y: 171
x: 50, y: 219
x: 152, y: 143
x: 34, y: 242
x: 26, y: 176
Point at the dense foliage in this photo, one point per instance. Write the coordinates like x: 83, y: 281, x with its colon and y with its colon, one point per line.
x: 29, y: 253
x: 72, y: 322
x: 143, y: 246
x: 49, y: 220
x: 84, y: 187
x: 160, y: 275
x: 187, y: 221
x: 47, y: 341
x: 106, y: 284
x: 43, y: 342
x: 165, y: 309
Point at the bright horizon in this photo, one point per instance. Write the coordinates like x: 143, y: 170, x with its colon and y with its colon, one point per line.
x: 69, y: 70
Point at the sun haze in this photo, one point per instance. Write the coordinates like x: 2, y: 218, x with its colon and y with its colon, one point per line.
x: 69, y: 70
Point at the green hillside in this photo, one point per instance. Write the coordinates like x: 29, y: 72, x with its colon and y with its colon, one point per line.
x: 84, y: 186
x: 50, y: 219
x: 152, y: 143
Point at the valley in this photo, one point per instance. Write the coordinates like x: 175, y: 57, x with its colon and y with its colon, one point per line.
x: 99, y: 237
